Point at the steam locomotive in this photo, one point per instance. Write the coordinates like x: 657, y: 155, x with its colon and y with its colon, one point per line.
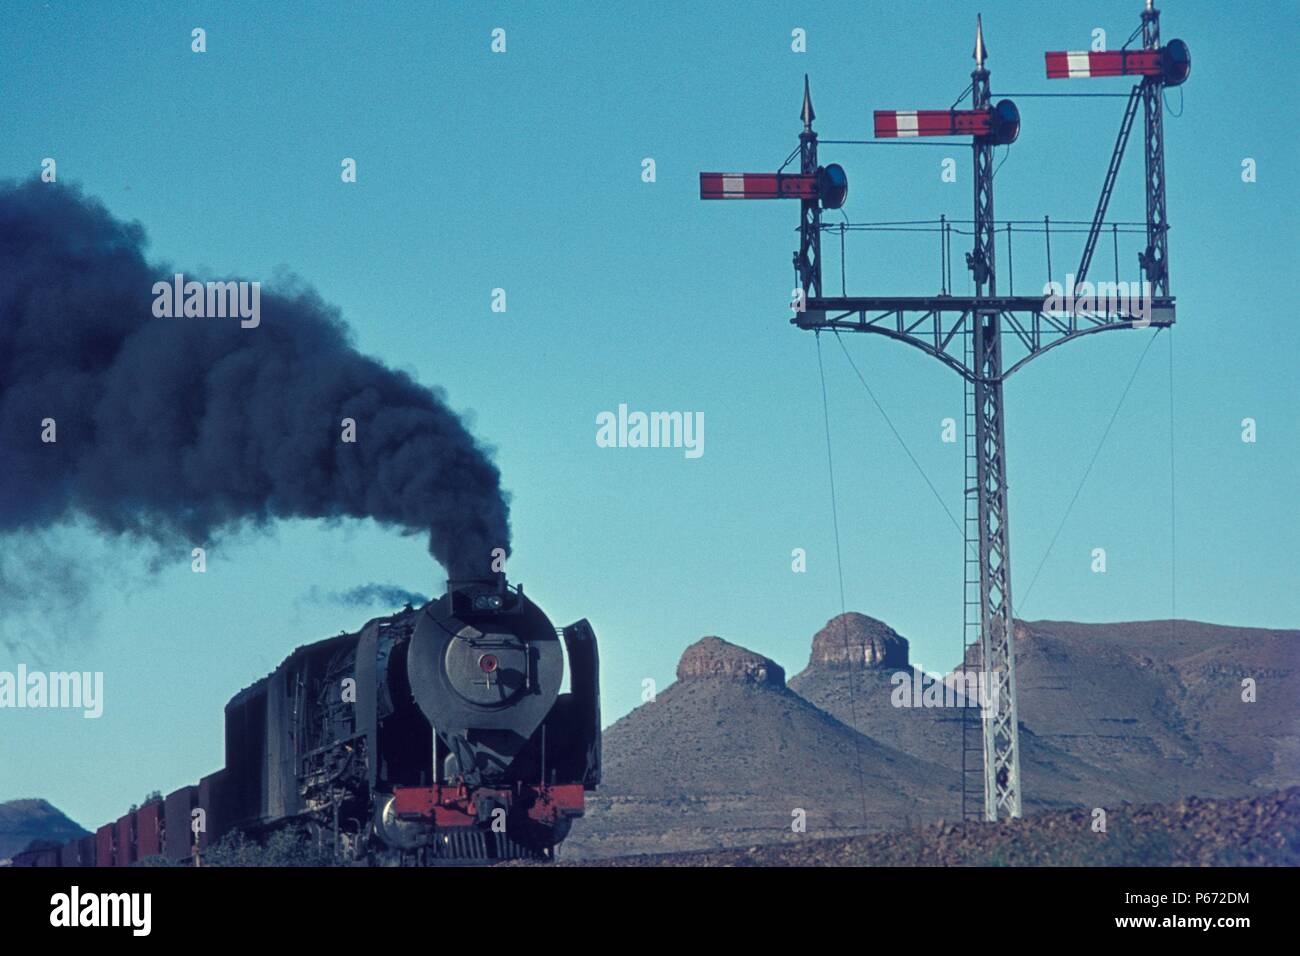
x: 434, y: 734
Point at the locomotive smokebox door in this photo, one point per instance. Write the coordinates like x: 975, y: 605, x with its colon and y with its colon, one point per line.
x: 488, y: 669
x: 485, y: 668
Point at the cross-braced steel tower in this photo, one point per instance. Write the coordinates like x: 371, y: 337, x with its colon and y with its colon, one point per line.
x: 985, y: 337
x: 1155, y: 260
x: 997, y: 654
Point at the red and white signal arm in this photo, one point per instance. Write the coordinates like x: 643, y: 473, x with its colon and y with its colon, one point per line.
x: 898, y: 124
x: 1173, y: 62
x: 758, y: 186
x: 1001, y: 123
x: 829, y: 185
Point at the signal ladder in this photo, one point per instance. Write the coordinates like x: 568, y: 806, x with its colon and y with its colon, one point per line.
x: 972, y: 729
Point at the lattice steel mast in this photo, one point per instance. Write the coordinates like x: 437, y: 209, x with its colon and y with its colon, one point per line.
x: 1155, y: 260
x: 997, y: 630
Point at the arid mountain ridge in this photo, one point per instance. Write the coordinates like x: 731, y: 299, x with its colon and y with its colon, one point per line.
x: 1110, y: 714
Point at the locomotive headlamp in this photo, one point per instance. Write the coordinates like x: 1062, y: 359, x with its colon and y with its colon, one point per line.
x: 487, y: 602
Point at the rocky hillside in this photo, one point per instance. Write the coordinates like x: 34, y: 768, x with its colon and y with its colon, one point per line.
x: 22, y: 821
x: 1257, y: 831
x: 1111, y: 715
x: 854, y: 672
x: 728, y: 755
x: 1163, y: 700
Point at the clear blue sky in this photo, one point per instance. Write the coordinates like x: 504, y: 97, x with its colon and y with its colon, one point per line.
x: 523, y: 171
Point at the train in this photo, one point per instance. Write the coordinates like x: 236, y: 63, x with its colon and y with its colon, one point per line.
x: 438, y: 734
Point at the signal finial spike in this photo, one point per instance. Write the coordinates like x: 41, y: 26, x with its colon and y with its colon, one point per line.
x: 981, y: 52
x: 807, y: 115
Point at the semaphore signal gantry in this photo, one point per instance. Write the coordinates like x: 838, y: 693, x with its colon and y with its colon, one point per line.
x: 968, y: 333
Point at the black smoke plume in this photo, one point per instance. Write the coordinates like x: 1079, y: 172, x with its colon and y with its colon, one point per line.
x: 370, y: 595
x: 175, y: 430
